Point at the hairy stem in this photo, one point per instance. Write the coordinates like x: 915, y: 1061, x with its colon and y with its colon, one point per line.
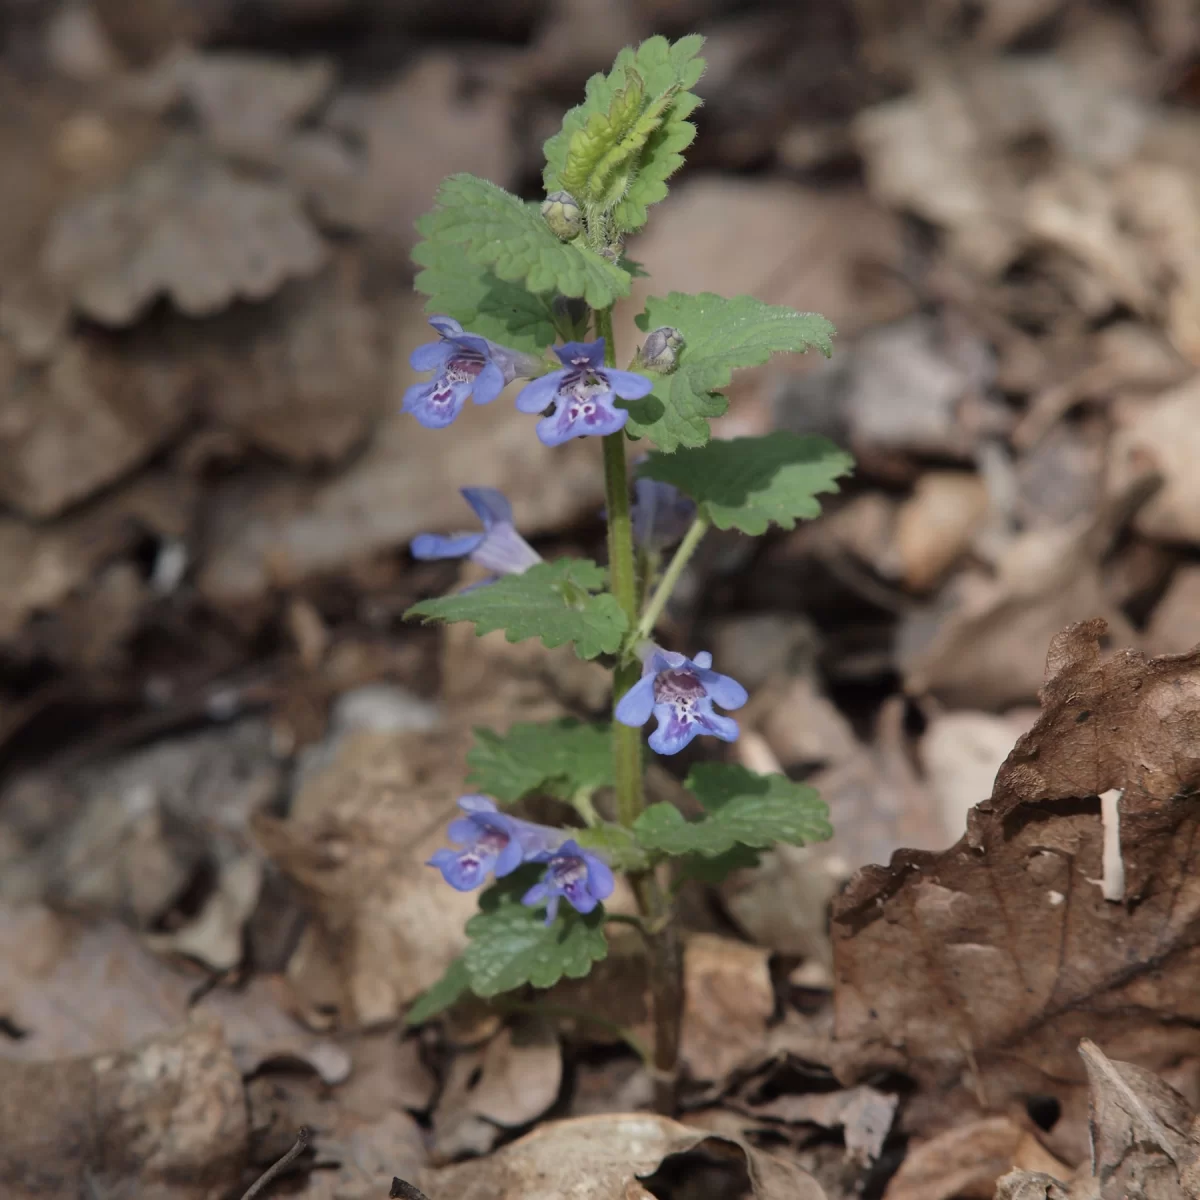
x: 627, y: 743
x: 665, y: 960
x: 666, y: 585
x: 662, y: 940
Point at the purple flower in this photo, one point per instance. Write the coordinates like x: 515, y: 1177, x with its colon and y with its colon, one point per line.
x: 584, y: 878
x: 582, y: 394
x: 464, y: 364
x: 491, y: 841
x: 499, y: 547
x: 680, y: 692
x: 661, y: 513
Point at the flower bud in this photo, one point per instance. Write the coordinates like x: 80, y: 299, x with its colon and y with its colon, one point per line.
x: 661, y: 350
x: 561, y: 213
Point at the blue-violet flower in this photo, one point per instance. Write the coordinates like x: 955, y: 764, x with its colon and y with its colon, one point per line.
x: 464, y: 365
x: 582, y: 394
x: 490, y: 841
x: 582, y: 877
x: 680, y: 692
x: 499, y: 547
x: 661, y: 514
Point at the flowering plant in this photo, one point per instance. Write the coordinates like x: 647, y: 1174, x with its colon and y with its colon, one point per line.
x: 526, y: 292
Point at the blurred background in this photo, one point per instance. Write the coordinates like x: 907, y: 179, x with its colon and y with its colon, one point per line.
x: 206, y: 490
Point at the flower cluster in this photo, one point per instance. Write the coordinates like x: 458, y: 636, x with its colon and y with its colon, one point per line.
x: 492, y: 842
x: 578, y: 399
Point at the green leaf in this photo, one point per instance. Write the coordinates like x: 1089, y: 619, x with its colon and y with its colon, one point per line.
x: 720, y: 335
x: 742, y: 808
x: 480, y: 301
x: 616, y: 844
x: 558, y: 758
x: 746, y: 483
x: 554, y: 601
x: 512, y: 945
x: 617, y: 149
x: 493, y: 228
x: 448, y: 990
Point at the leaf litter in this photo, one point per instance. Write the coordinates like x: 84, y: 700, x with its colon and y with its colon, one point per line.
x: 205, y: 494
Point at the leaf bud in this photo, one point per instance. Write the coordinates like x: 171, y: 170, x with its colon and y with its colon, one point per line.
x: 561, y: 212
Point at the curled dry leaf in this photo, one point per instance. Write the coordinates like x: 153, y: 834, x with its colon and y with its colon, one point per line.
x: 185, y: 226
x: 1142, y: 1131
x: 384, y: 926
x: 509, y: 1083
x: 165, y: 1120
x: 604, y: 1157
x: 983, y: 965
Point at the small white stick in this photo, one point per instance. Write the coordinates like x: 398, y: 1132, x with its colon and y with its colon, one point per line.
x: 1112, y: 885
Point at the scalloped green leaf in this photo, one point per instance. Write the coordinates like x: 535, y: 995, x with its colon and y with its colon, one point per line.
x: 741, y: 808
x: 511, y: 945
x: 748, y: 483
x: 495, y: 229
x: 555, y: 601
x: 617, y: 149
x: 617, y: 845
x: 556, y: 758
x: 720, y: 335
x: 482, y: 302
x: 448, y: 990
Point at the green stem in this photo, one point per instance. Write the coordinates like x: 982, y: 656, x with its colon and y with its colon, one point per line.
x: 627, y: 743
x: 665, y: 963
x: 666, y: 585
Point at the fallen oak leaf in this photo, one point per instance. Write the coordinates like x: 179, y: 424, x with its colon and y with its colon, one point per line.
x: 607, y: 1157
x: 982, y: 966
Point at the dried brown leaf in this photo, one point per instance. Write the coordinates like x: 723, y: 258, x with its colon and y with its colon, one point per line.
x: 385, y: 926
x: 603, y: 1157
x: 1140, y: 1129
x: 304, y: 377
x: 165, y: 1120
x: 1164, y: 436
x: 511, y: 1082
x: 73, y: 990
x: 425, y: 116
x: 1029, y: 1185
x: 862, y: 1113
x: 183, y: 225
x: 982, y: 966
x: 964, y: 1162
x: 84, y: 419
